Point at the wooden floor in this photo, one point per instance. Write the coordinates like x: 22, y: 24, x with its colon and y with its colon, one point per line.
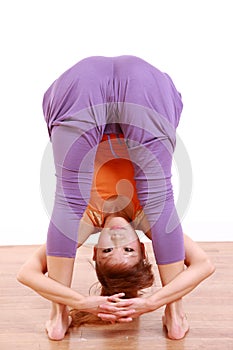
x: 209, y: 309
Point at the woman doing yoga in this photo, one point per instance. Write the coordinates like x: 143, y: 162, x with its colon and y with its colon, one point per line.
x: 112, y: 124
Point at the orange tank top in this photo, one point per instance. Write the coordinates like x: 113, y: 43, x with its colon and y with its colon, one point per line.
x: 113, y: 180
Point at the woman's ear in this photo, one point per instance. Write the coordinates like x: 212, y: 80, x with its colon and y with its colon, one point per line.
x: 94, y: 253
x: 143, y: 250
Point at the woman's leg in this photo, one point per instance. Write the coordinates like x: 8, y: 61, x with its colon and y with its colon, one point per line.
x: 174, y: 318
x: 74, y: 155
x: 75, y: 111
x: 155, y: 193
x: 149, y: 114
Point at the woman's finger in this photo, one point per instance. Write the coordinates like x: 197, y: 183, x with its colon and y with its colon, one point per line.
x: 107, y: 317
x: 124, y: 313
x: 113, y: 308
x: 119, y: 312
x: 113, y: 319
x: 116, y: 297
x: 125, y: 320
x: 120, y: 303
x: 124, y: 303
x: 110, y: 308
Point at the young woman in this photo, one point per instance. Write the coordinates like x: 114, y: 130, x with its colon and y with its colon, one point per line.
x: 120, y: 258
x: 113, y: 95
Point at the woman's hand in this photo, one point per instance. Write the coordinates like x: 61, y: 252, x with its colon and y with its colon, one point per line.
x: 124, y: 310
x: 112, y: 309
x: 141, y: 306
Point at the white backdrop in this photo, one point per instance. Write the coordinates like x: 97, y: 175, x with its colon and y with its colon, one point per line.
x: 190, y: 40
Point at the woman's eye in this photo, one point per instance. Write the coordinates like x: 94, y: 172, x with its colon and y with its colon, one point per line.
x: 107, y: 250
x: 129, y: 250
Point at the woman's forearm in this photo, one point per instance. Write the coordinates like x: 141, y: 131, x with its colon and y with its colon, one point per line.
x: 181, y: 285
x: 60, y: 294
x: 50, y: 289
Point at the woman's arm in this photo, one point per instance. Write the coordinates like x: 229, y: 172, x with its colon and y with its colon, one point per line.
x: 32, y: 274
x: 199, y: 267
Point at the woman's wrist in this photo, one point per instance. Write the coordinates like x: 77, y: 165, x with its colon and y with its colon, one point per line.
x: 152, y: 303
x: 81, y: 303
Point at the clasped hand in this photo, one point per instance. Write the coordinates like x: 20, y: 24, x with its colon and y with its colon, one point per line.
x: 115, y: 309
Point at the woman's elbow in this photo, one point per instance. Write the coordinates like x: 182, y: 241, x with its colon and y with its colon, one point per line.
x: 208, y: 267
x: 23, y: 276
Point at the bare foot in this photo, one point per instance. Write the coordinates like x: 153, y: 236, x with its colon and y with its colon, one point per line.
x: 176, y: 325
x: 58, y: 325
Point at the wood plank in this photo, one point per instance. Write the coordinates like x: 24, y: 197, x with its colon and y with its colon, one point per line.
x: 209, y: 309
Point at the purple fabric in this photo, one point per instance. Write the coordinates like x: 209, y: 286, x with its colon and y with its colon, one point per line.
x: 111, y: 95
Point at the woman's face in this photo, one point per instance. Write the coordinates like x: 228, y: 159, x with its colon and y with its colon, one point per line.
x: 118, y: 243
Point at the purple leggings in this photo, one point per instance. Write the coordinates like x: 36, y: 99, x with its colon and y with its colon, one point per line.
x: 101, y: 95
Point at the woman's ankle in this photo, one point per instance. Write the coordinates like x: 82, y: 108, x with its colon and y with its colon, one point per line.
x: 175, y: 310
x: 58, y: 311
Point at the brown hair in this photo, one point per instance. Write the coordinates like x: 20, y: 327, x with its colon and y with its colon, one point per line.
x: 116, y: 279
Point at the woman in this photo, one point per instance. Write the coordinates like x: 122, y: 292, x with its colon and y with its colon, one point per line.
x: 120, y: 258
x: 113, y: 95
